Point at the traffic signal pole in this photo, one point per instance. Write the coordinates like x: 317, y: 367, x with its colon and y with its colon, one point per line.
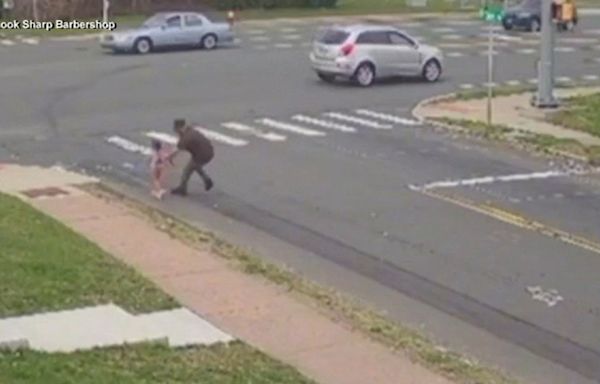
x: 544, y: 97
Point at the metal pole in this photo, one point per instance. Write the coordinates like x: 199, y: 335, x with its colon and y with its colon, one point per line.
x: 35, y: 10
x: 545, y: 94
x: 490, y: 83
x: 105, y: 5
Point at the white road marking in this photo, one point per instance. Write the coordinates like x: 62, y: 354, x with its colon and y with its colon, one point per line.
x: 578, y: 40
x: 270, y: 136
x: 291, y: 37
x: 564, y: 79
x: 591, y: 31
x: 532, y: 81
x: 513, y: 83
x: 486, y: 53
x: 7, y: 42
x: 283, y: 45
x: 387, y: 117
x: 306, y: 44
x: 323, y: 123
x: 164, y: 137
x: 290, y: 128
x: 261, y: 47
x: 508, y: 37
x: 455, y: 54
x: 527, y: 51
x: 467, y: 86
x: 357, y: 120
x: 590, y: 77
x: 31, y: 41
x: 564, y: 49
x: 443, y: 30
x: 256, y: 31
x: 129, y: 145
x: 495, y: 179
x: 551, y: 297
x: 289, y: 30
x: 452, y: 37
x: 221, y: 138
x: 260, y: 38
x: 487, y: 85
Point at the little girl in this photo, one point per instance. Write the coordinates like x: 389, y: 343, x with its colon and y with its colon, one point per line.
x: 157, y: 168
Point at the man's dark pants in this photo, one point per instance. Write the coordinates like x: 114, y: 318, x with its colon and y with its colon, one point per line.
x: 198, y: 167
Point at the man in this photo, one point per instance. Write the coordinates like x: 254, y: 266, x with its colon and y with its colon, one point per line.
x: 201, y: 150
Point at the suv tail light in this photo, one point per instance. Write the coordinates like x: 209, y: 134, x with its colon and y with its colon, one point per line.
x: 347, y: 49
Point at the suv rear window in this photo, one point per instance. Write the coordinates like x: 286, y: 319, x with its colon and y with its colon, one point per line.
x: 333, y: 37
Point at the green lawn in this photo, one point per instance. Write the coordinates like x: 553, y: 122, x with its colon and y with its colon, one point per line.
x: 46, y: 267
x: 581, y: 113
x: 235, y: 363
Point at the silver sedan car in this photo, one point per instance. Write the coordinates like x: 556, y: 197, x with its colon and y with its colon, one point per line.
x: 170, y: 30
x: 366, y: 52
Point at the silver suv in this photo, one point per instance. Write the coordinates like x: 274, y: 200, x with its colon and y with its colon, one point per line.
x: 366, y: 52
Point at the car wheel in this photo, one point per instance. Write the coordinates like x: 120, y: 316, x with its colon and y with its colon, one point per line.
x: 326, y: 78
x: 364, y: 75
x: 143, y: 45
x: 209, y: 42
x: 432, y: 71
x: 534, y: 25
x: 507, y: 24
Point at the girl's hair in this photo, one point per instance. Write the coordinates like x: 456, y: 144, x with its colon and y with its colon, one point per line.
x: 156, y: 145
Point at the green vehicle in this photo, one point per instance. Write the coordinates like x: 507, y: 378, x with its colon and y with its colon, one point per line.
x: 492, y: 11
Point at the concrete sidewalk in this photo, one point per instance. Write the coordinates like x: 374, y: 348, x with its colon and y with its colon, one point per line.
x: 512, y: 111
x: 262, y: 315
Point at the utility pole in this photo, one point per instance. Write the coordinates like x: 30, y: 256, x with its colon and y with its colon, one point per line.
x: 545, y: 93
x: 490, y: 82
x: 105, y: 6
x: 35, y: 11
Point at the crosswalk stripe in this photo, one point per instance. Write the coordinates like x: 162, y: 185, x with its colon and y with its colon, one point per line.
x: 590, y: 77
x: 387, y: 117
x: 164, y: 137
x: 289, y: 127
x: 221, y: 138
x: 7, y: 42
x: 270, y: 136
x: 357, y: 120
x: 129, y: 145
x: 323, y: 123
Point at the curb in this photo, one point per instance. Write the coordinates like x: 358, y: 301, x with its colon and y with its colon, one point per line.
x: 415, y: 112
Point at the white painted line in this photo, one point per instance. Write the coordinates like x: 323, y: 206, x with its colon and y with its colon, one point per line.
x: 513, y: 83
x: 532, y: 81
x: 495, y: 179
x: 283, y: 45
x: 289, y: 30
x: 129, y: 146
x: 164, y: 137
x: 564, y: 79
x: 467, y: 86
x: 486, y: 53
x: 291, y: 37
x: 270, y: 136
x: 564, y: 49
x: 455, y: 54
x: 260, y: 38
x: 591, y: 31
x: 357, y: 120
x: 7, y: 42
x: 590, y: 77
x: 452, y: 37
x: 306, y: 44
x: 261, y: 47
x: 290, y: 128
x: 256, y: 31
x: 31, y: 41
x: 237, y: 41
x: 527, y: 51
x: 323, y: 123
x: 589, y: 11
x: 503, y: 37
x: 443, y: 30
x: 221, y: 138
x: 387, y: 117
x: 487, y: 85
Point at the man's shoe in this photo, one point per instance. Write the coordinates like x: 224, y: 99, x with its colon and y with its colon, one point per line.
x: 208, y: 184
x: 179, y: 192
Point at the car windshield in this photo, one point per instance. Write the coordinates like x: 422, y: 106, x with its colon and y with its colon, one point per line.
x: 155, y: 21
x: 333, y: 37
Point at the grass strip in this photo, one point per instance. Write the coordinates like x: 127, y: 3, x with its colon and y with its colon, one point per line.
x: 336, y: 305
x: 48, y: 267
x: 234, y: 363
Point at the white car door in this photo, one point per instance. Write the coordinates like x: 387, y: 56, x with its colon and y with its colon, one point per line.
x: 195, y: 28
x: 405, y: 54
x: 375, y: 46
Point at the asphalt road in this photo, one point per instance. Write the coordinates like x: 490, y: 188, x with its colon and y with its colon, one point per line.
x: 329, y: 194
